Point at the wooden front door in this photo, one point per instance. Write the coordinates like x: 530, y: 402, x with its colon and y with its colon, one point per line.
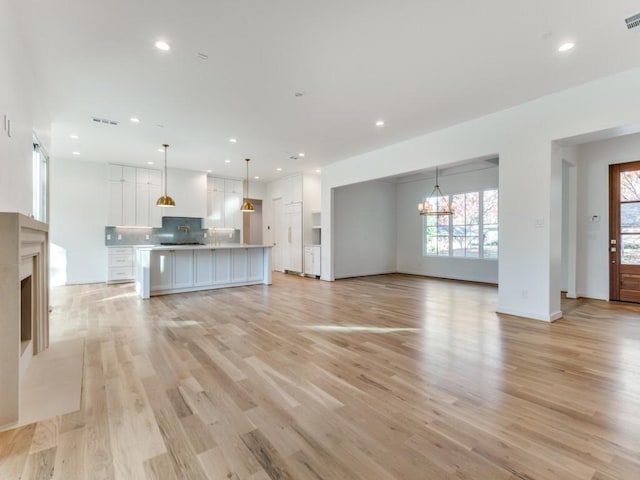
x: 624, y: 232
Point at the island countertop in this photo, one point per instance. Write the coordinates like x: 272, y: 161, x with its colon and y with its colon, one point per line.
x: 207, y: 246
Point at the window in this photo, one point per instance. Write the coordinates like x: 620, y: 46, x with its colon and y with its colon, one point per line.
x: 470, y: 232
x: 40, y: 183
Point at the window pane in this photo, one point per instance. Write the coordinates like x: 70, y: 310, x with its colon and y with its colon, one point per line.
x: 630, y: 185
x: 472, y: 231
x: 630, y: 217
x: 443, y: 219
x: 490, y: 241
x: 490, y: 206
x: 472, y: 208
x: 443, y: 246
x: 431, y: 246
x: 630, y: 249
x: 472, y: 247
x: 458, y: 206
x: 458, y: 246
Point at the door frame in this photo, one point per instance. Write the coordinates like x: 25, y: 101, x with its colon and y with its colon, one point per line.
x: 614, y: 226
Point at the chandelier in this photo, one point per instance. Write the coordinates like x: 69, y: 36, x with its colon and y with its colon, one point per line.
x: 436, y: 203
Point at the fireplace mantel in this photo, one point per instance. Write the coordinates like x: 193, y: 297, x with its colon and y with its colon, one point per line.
x: 24, y: 252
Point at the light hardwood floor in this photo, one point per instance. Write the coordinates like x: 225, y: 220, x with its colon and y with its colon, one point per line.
x: 386, y: 377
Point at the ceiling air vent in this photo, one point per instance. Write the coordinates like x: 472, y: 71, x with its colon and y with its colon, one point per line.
x: 105, y: 121
x: 633, y: 23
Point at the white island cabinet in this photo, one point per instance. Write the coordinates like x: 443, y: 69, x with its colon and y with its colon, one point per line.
x: 176, y: 269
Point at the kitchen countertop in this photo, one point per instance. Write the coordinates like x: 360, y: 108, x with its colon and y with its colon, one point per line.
x: 222, y: 246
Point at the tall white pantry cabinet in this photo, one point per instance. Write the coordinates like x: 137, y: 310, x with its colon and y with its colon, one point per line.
x: 288, y: 209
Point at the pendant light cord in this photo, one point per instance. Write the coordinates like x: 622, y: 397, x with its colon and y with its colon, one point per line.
x: 165, y: 168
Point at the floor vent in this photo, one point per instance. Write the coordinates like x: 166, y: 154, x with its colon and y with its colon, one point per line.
x: 633, y: 23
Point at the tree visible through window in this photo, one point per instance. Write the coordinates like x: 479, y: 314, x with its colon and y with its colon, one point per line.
x: 471, y: 231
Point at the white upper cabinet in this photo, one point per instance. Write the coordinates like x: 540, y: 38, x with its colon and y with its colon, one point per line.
x: 292, y: 189
x: 233, y: 186
x: 215, y: 184
x: 215, y: 209
x: 132, y: 196
x: 232, y: 213
x: 148, y: 176
x: 122, y: 173
x: 224, y: 199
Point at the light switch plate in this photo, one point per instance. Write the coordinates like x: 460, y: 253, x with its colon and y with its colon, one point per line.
x: 108, y: 236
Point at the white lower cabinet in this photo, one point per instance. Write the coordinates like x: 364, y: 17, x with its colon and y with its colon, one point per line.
x: 161, y: 268
x: 185, y: 269
x: 171, y: 269
x: 255, y: 264
x: 222, y: 266
x: 203, y: 267
x: 239, y: 265
x: 120, y: 264
x: 312, y: 260
x: 182, y: 268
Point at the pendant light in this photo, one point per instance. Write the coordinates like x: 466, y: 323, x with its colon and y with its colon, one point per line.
x: 247, y: 206
x: 165, y: 200
x: 437, y: 200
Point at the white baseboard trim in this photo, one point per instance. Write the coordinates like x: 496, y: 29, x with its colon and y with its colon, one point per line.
x: 530, y: 315
x: 592, y: 296
x: 363, y: 274
x: 463, y: 278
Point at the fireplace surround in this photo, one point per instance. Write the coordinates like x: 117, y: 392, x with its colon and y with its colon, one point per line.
x: 24, y: 300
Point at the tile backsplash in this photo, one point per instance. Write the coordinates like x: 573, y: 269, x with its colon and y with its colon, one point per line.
x: 173, y: 230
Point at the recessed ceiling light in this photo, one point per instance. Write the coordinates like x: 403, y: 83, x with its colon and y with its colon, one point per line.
x: 256, y: 177
x: 75, y: 153
x: 318, y: 170
x: 565, y: 47
x: 209, y: 171
x: 161, y: 45
x: 73, y: 136
x: 301, y: 154
x: 134, y: 119
x: 279, y: 169
x: 379, y: 123
x: 227, y: 161
x: 233, y: 140
x: 149, y: 163
x: 161, y: 150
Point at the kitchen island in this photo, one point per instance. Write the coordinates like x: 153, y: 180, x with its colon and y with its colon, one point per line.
x: 161, y: 270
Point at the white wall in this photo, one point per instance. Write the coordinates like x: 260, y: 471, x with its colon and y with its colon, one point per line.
x: 365, y: 229
x: 19, y: 102
x: 79, y: 202
x: 593, y: 199
x: 409, y: 225
x: 529, y: 184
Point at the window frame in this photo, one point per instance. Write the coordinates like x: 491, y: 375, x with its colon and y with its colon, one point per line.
x: 451, y: 226
x: 40, y: 182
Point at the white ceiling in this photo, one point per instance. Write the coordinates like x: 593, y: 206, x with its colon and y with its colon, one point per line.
x: 420, y: 65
